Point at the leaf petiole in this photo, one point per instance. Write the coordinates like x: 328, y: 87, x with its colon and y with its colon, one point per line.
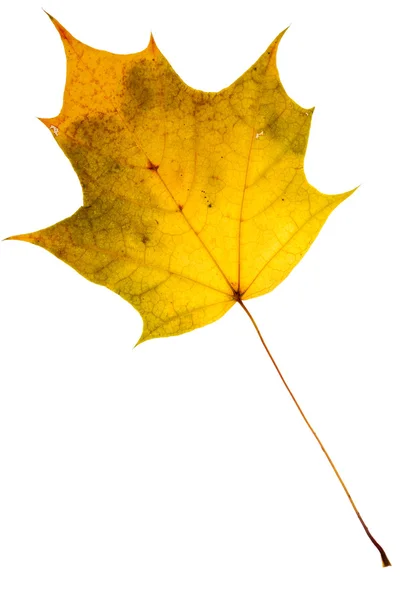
x: 385, y: 560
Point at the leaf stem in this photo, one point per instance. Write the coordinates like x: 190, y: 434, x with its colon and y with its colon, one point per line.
x: 385, y: 560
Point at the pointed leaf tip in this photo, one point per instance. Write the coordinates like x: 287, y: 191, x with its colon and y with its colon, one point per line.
x: 272, y: 50
x: 152, y: 46
x: 64, y: 33
x: 23, y: 237
x: 280, y: 35
x: 47, y: 13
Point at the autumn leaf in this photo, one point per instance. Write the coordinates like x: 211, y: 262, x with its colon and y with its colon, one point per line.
x: 192, y: 201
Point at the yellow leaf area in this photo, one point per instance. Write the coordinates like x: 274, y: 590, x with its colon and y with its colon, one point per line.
x: 192, y: 201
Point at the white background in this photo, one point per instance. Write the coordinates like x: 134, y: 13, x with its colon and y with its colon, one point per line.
x: 181, y: 469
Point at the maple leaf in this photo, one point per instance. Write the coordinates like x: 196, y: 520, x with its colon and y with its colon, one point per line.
x: 192, y: 201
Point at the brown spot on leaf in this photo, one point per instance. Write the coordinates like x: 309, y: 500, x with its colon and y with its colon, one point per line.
x: 150, y: 165
x: 139, y: 86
